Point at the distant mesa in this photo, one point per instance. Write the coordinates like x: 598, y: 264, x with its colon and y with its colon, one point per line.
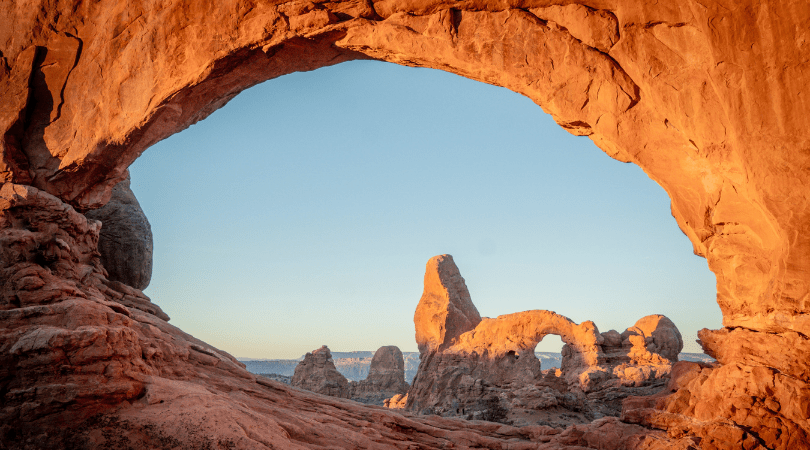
x: 352, y: 365
x: 276, y: 377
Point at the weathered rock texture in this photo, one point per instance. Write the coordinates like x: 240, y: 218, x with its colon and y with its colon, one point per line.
x: 445, y: 310
x: 386, y: 376
x: 489, y: 370
x: 317, y: 373
x: 643, y: 352
x: 125, y: 242
x: 708, y: 97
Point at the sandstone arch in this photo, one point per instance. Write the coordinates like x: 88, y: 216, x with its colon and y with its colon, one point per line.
x: 487, y: 368
x: 447, y: 323
x: 153, y: 72
x: 518, y: 334
x: 706, y: 98
x: 521, y: 332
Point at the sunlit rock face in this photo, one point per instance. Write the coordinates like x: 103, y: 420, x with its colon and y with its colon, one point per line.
x: 445, y: 310
x: 489, y: 371
x: 707, y: 98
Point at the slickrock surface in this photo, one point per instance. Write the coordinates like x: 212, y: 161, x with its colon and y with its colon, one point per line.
x: 490, y: 370
x: 445, y: 310
x: 708, y: 97
x: 317, y: 373
x: 125, y: 242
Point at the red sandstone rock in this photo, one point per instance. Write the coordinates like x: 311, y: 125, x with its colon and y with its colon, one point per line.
x: 445, y: 310
x: 317, y: 373
x: 490, y: 372
x: 642, y: 353
x: 125, y: 242
x: 398, y: 401
x: 386, y: 377
x: 654, y: 335
x: 707, y: 97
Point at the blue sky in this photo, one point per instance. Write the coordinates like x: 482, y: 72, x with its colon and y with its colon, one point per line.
x: 303, y: 212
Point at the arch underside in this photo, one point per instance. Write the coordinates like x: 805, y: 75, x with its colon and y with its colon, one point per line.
x: 649, y: 87
x: 706, y: 99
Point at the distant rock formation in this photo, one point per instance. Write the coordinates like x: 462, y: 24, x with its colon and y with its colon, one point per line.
x: 386, y: 377
x: 353, y: 368
x: 643, y: 352
x: 445, y: 310
x: 317, y: 373
x: 283, y: 367
x: 487, y: 369
x: 352, y: 365
x: 125, y: 241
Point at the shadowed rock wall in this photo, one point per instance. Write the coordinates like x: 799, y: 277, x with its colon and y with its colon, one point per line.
x: 125, y: 241
x: 706, y: 96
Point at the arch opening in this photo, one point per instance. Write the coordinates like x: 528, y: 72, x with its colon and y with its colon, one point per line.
x: 549, y: 351
x: 312, y: 172
x: 93, y: 85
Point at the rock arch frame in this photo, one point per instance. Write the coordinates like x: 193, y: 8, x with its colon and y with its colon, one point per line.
x: 706, y: 98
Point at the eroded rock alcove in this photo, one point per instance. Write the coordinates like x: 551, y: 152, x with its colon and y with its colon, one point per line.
x: 707, y: 97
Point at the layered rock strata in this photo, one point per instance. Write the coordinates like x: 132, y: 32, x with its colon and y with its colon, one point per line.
x: 489, y: 370
x: 707, y: 97
x: 386, y: 376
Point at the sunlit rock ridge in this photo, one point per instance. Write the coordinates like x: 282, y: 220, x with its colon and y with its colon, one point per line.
x: 709, y: 98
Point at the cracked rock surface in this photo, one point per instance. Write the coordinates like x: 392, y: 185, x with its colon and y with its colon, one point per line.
x: 125, y: 241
